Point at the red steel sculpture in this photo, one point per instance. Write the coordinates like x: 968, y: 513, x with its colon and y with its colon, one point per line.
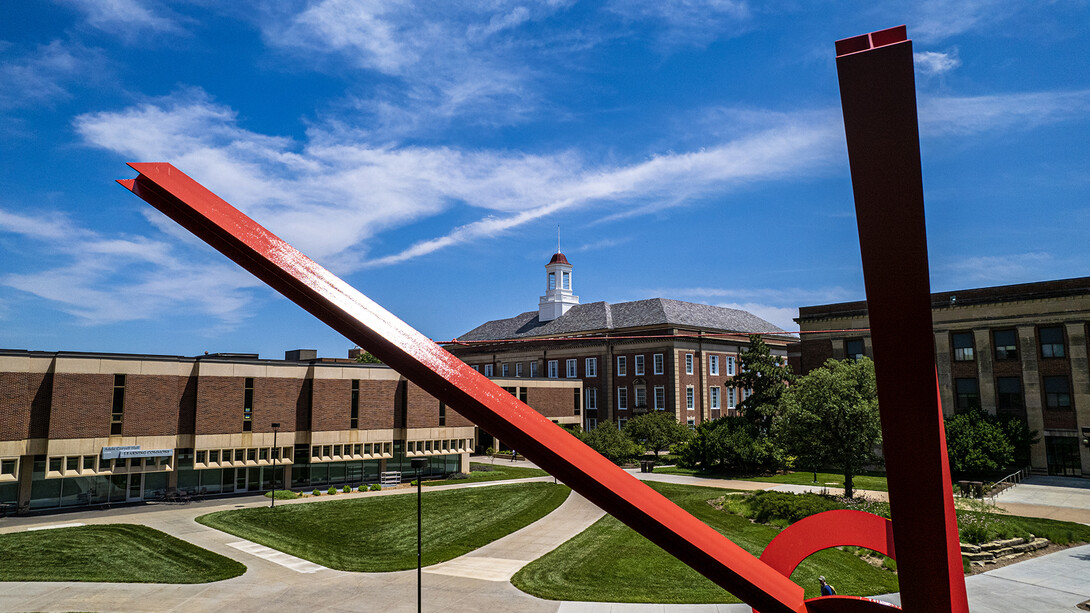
x: 879, y: 110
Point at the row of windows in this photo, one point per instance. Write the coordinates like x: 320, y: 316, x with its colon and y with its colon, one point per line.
x: 93, y: 464
x: 325, y: 453
x: 251, y: 455
x: 1009, y: 395
x: 439, y: 446
x: 658, y: 366
x: 1050, y: 342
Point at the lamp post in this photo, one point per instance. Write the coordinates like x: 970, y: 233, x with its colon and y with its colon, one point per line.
x: 419, y: 464
x: 275, y: 458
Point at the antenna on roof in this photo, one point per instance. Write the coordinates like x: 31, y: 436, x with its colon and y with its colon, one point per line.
x: 558, y: 238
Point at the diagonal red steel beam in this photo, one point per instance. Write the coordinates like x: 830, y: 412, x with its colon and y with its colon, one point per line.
x: 450, y: 380
x: 878, y: 95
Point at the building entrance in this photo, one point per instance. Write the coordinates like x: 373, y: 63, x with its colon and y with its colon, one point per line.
x: 1063, y: 455
x: 136, y: 488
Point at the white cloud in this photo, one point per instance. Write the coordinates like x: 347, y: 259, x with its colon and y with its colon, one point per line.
x: 936, y: 20
x: 959, y: 116
x: 935, y: 63
x: 329, y: 195
x: 43, y: 76
x: 106, y: 279
x: 686, y: 22
x: 125, y: 18
x: 1000, y: 269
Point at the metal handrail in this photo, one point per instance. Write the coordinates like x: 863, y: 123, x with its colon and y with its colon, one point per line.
x: 1012, y: 479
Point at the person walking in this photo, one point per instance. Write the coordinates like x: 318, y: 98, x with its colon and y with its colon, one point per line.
x: 826, y: 589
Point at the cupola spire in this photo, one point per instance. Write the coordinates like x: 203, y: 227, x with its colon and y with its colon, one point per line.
x: 558, y: 296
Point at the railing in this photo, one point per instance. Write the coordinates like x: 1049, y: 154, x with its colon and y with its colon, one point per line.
x: 1009, y: 481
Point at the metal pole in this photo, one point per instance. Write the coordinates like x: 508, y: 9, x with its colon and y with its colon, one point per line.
x: 275, y: 458
x: 419, y: 544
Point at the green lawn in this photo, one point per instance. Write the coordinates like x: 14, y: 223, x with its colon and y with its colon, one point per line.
x: 500, y: 472
x: 115, y: 553
x: 378, y: 534
x: 610, y: 563
x: 875, y: 481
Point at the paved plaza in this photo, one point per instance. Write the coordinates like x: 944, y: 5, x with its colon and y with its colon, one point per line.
x: 479, y: 580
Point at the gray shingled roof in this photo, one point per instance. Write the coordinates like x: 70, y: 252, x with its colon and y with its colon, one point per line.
x: 603, y: 316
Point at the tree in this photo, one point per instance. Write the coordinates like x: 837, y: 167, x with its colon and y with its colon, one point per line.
x: 830, y: 416
x: 737, y: 443
x: 767, y: 377
x: 978, y: 442
x: 365, y: 357
x: 656, y: 431
x: 607, y: 440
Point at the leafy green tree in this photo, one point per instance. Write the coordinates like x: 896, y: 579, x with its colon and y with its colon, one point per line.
x: 767, y: 377
x: 697, y: 452
x: 365, y: 357
x: 737, y: 443
x: 978, y: 442
x: 656, y: 431
x: 607, y: 440
x: 830, y: 416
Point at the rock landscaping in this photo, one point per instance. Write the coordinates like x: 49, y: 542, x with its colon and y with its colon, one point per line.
x: 1004, y: 549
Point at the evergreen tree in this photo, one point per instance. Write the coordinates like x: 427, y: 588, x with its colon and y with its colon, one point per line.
x: 766, y: 378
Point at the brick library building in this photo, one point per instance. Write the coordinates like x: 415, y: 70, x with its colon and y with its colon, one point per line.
x: 80, y: 429
x: 631, y: 357
x: 1018, y: 350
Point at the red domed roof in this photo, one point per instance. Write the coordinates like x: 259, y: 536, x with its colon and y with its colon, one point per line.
x: 558, y: 258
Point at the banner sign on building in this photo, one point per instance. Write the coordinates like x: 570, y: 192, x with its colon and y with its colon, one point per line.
x: 134, y: 451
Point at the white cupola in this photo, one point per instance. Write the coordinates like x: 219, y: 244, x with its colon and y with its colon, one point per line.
x: 558, y: 287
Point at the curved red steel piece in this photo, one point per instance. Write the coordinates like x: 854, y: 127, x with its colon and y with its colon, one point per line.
x: 447, y: 378
x: 825, y: 530
x: 848, y: 604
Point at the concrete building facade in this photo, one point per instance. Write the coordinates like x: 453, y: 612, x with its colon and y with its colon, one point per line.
x: 86, y: 428
x: 1019, y: 350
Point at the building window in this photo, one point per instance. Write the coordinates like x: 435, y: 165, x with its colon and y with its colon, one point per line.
x: 622, y: 366
x: 660, y: 398
x: 533, y: 369
x: 713, y: 365
x: 354, y: 412
x: 968, y: 394
x: 639, y: 365
x: 854, y: 349
x: 688, y: 363
x: 622, y: 398
x: 518, y: 369
x: 691, y: 422
x: 641, y: 397
x: 1057, y: 393
x: 592, y: 423
x: 578, y: 403
x: 248, y: 405
x: 713, y: 393
x: 442, y: 414
x: 554, y: 369
x: 118, y: 410
x: 690, y: 398
x: 476, y: 368
x: 570, y: 369
x: 1006, y: 344
x: 732, y: 398
x: 552, y: 280
x: 592, y: 398
x: 592, y: 367
x: 730, y: 360
x: 522, y: 395
x: 1052, y: 342
x: 7, y: 467
x: 566, y: 277
x: 503, y: 369
x: 488, y: 370
x: 658, y: 364
x: 963, y: 346
x: 1009, y: 398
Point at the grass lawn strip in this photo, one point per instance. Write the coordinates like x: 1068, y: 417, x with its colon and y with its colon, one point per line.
x: 499, y: 472
x: 378, y: 534
x: 609, y: 562
x: 114, y: 553
x: 875, y: 482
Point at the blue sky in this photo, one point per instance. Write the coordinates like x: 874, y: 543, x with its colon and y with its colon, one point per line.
x: 426, y: 152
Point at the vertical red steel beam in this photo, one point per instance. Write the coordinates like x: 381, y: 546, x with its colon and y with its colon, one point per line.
x: 449, y: 379
x: 877, y: 91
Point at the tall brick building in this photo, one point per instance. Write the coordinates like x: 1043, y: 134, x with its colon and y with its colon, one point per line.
x: 1015, y: 349
x: 631, y: 357
x: 87, y: 428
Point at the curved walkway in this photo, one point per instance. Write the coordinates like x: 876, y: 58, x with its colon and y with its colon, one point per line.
x: 477, y: 581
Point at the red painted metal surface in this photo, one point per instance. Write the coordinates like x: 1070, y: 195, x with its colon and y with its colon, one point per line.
x: 877, y: 90
x: 449, y: 379
x: 829, y: 529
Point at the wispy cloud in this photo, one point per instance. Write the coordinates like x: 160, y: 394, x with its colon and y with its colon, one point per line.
x: 937, y: 20
x: 126, y: 19
x: 107, y: 279
x: 951, y: 115
x: 934, y: 63
x: 680, y: 23
x: 1011, y: 268
x: 43, y: 76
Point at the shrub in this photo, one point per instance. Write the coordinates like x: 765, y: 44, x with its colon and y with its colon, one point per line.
x: 376, y: 487
x: 413, y: 483
x: 346, y: 489
x: 332, y: 490
x: 484, y: 468
x: 362, y: 488
x: 767, y: 506
x: 457, y: 476
x: 316, y: 492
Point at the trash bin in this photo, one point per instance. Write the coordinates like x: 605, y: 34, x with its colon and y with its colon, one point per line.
x: 963, y: 488
x: 978, y: 489
x: 647, y: 466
